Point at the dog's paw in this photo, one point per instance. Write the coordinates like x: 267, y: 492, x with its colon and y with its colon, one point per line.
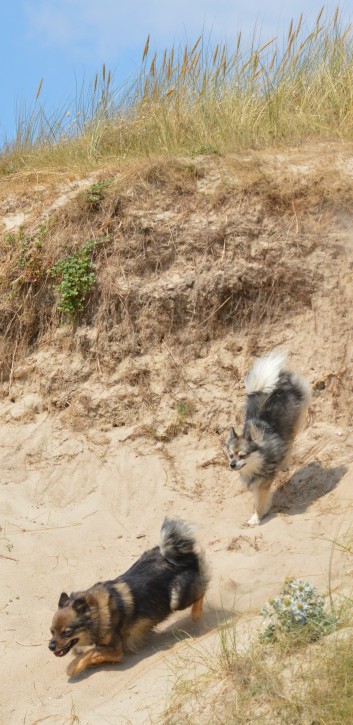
x: 76, y: 667
x: 254, y: 521
x: 72, y: 669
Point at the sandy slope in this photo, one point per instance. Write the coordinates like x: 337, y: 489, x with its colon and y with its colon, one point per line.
x: 76, y: 507
x: 74, y: 511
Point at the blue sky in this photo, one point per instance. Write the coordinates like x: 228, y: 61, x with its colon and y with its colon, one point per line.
x: 64, y: 41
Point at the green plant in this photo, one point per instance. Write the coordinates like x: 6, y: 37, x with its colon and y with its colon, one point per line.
x: 299, y: 605
x: 95, y: 194
x: 185, y: 409
x: 74, y: 277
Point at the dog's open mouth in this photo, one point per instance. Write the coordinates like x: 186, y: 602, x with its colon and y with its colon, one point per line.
x: 65, y: 650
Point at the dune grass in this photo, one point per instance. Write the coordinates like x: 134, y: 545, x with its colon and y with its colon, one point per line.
x: 200, y: 98
x: 313, y: 685
x: 294, y: 680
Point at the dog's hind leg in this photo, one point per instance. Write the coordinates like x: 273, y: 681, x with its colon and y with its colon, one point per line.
x: 262, y: 502
x: 196, y: 609
x: 286, y: 460
x: 94, y: 657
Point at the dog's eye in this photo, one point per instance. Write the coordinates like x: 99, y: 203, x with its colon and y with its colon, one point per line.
x: 67, y: 633
x: 241, y: 454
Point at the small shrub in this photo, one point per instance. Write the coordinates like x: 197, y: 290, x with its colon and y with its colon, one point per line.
x: 74, y: 277
x: 95, y: 194
x: 298, y: 606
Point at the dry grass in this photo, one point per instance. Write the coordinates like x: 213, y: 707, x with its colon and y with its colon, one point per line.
x: 316, y: 686
x: 142, y: 275
x: 200, y: 99
x: 289, y: 683
x: 189, y: 265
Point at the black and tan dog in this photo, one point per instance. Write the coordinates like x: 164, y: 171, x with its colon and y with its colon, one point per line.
x: 114, y: 615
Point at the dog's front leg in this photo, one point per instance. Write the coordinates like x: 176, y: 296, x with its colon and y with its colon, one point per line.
x: 262, y: 502
x: 94, y: 657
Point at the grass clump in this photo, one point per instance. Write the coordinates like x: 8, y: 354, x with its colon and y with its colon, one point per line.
x: 202, y: 98
x: 310, y: 686
x: 182, y: 422
x: 185, y: 409
x: 30, y: 267
x: 291, y: 675
x: 179, y: 425
x: 95, y: 194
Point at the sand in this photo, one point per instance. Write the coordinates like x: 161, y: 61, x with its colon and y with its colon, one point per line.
x: 80, y: 503
x: 75, y: 511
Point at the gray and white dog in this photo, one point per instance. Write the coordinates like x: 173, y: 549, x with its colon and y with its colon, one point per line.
x: 276, y: 406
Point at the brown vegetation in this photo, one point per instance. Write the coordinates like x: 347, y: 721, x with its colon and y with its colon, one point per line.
x: 173, y: 254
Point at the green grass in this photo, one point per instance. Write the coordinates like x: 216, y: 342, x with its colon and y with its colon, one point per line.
x: 200, y: 99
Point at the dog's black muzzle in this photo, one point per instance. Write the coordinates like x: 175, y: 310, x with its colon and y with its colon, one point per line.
x: 236, y: 465
x: 64, y: 650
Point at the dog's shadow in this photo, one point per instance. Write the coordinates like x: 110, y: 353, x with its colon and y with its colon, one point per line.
x: 308, y: 484
x: 157, y: 642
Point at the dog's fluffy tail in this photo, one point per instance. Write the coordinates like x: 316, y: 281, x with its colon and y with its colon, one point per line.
x: 264, y: 375
x: 177, y: 539
x: 178, y: 545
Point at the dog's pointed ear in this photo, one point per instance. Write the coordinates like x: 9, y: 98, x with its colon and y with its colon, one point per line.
x: 232, y: 435
x: 248, y: 436
x: 80, y: 605
x: 64, y: 600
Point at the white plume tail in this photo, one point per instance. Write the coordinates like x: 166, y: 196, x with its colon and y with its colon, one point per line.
x: 264, y: 374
